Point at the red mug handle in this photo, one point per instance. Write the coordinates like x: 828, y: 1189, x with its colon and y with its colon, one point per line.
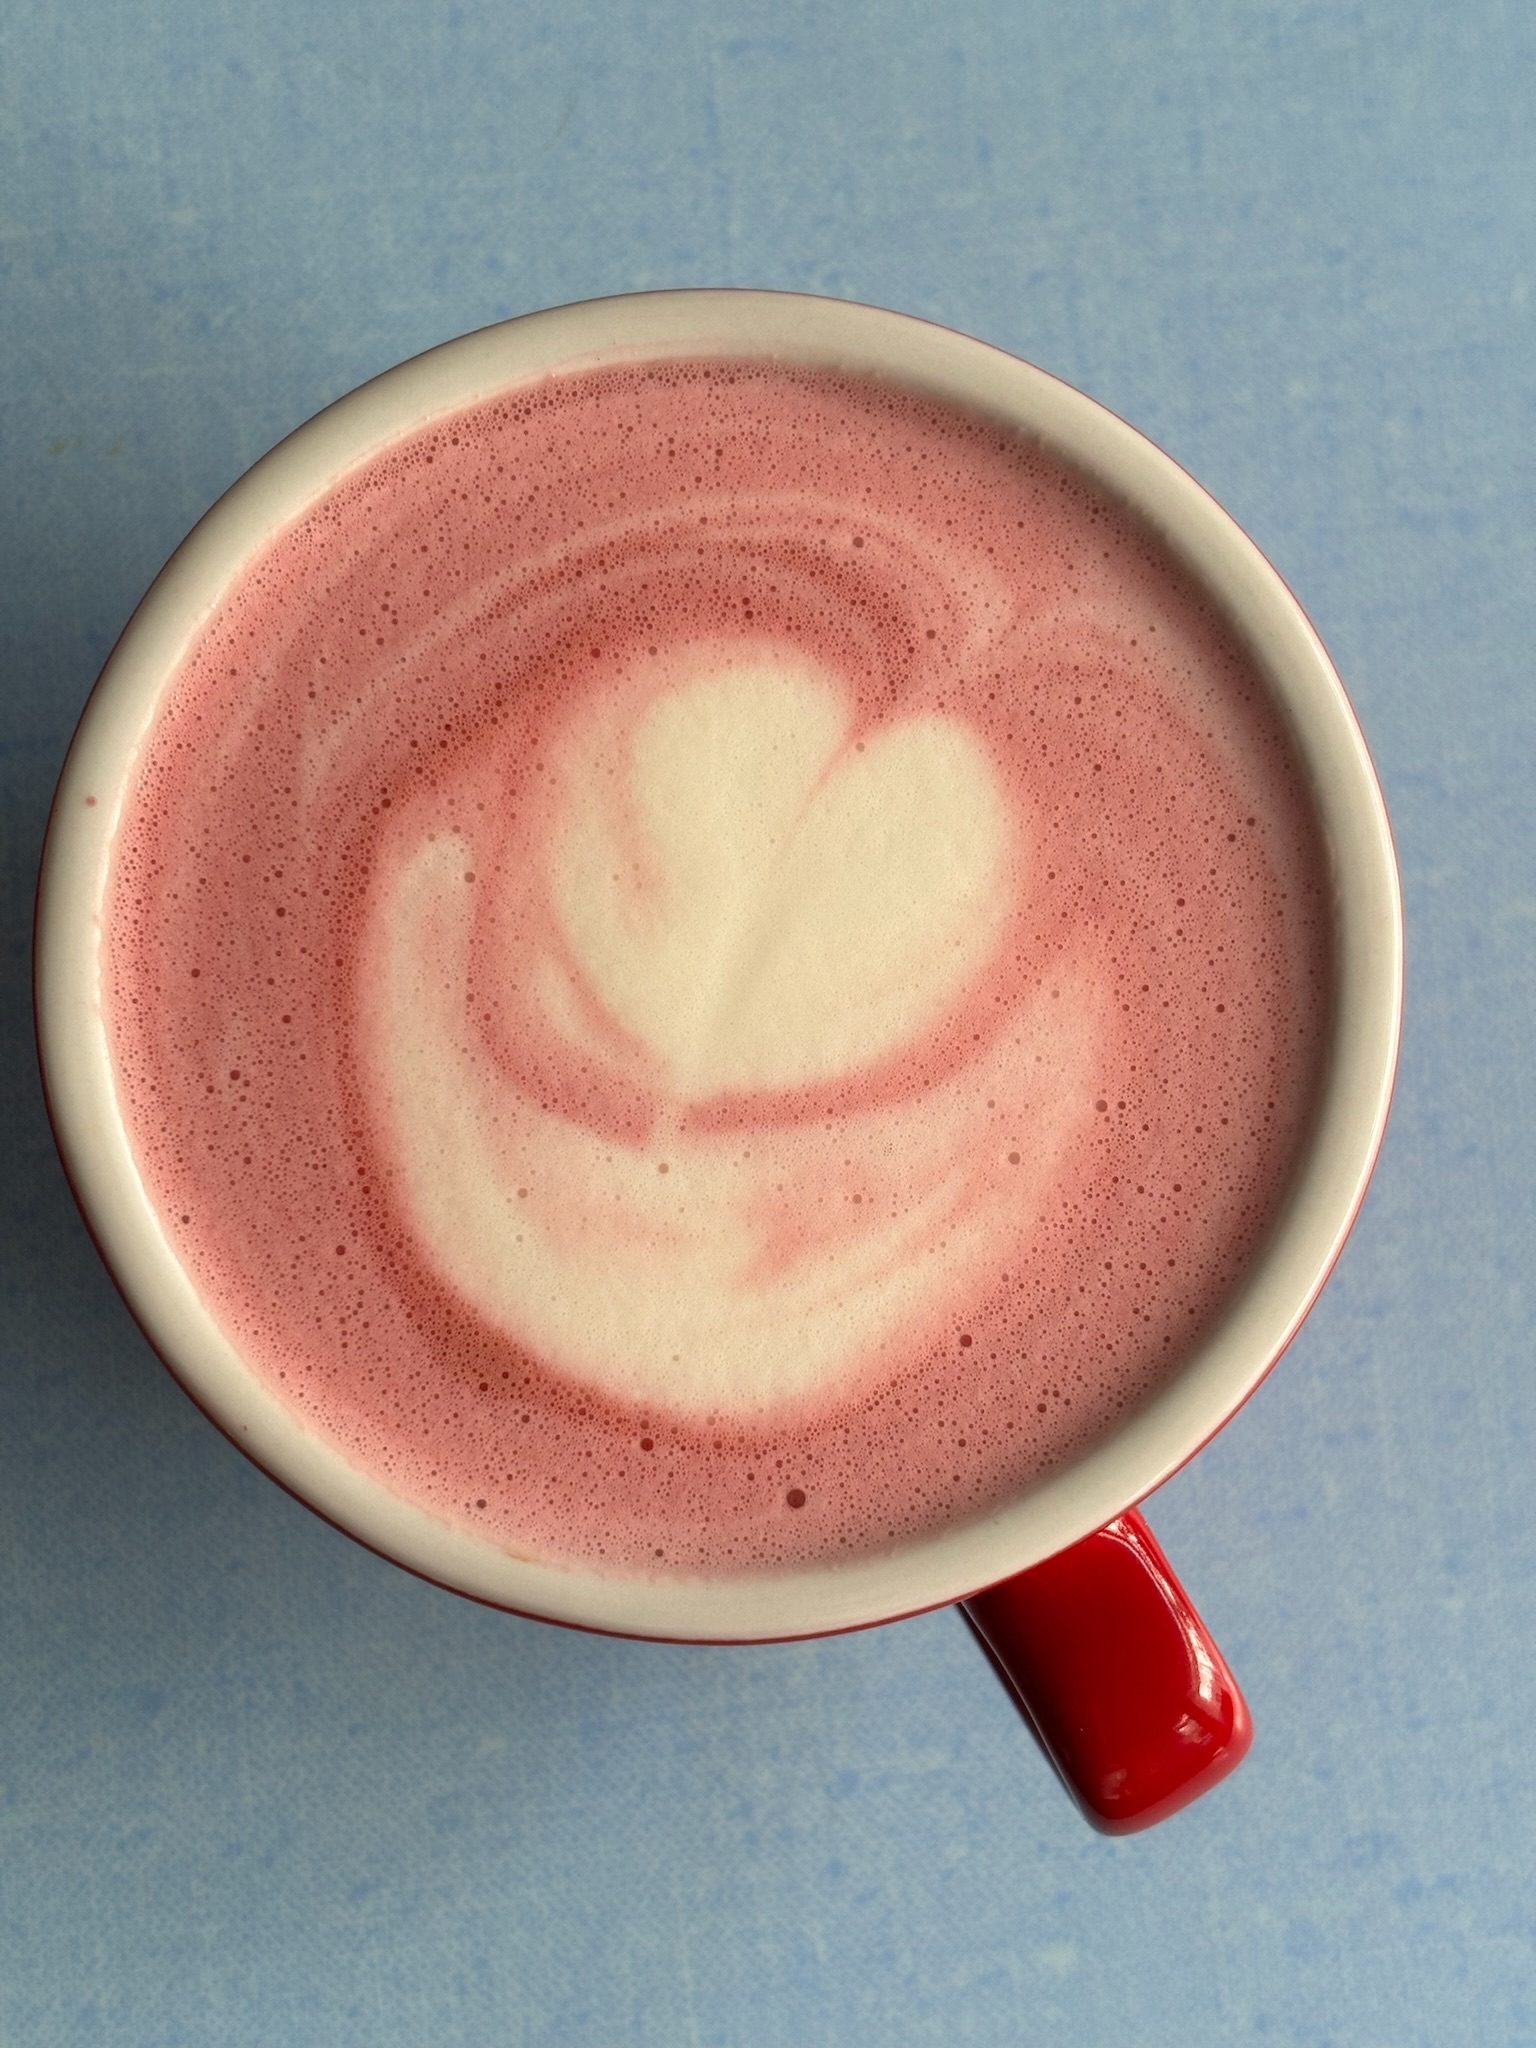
x: 1117, y: 1676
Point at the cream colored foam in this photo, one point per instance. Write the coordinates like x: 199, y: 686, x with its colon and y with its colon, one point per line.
x: 761, y: 905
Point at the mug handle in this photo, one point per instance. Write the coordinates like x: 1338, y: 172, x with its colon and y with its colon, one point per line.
x: 1116, y: 1675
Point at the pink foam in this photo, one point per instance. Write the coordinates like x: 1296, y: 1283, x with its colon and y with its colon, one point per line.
x: 408, y: 657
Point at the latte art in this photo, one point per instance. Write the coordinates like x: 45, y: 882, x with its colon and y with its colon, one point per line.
x: 764, y: 902
x: 714, y: 965
x: 745, y: 899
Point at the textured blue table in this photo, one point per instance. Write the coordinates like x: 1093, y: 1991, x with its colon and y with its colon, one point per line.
x: 256, y: 1786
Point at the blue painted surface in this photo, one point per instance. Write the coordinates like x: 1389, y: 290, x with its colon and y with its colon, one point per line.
x: 258, y: 1787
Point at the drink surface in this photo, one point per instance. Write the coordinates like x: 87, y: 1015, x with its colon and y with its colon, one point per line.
x: 714, y: 966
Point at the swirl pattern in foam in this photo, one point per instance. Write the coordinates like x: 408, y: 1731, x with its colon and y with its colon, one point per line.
x: 715, y: 964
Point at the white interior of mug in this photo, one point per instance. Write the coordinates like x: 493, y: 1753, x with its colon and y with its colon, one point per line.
x: 1220, y: 1372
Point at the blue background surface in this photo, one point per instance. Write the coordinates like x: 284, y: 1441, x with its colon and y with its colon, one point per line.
x: 258, y: 1787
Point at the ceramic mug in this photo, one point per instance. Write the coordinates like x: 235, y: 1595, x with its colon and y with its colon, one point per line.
x: 1069, y: 1594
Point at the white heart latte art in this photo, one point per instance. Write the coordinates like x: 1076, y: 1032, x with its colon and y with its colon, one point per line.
x: 753, y: 902
x: 798, y: 907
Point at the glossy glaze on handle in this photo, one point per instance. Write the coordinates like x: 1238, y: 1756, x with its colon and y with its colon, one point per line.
x: 1117, y: 1675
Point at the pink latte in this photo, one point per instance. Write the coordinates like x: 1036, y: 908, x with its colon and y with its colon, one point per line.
x: 714, y: 966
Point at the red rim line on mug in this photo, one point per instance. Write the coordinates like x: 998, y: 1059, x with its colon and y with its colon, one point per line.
x: 1064, y: 1585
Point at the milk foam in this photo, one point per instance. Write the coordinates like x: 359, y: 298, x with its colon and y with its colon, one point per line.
x: 754, y: 899
x: 762, y: 901
x: 714, y: 965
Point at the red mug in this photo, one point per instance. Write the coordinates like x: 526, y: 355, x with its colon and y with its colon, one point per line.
x: 1064, y: 1585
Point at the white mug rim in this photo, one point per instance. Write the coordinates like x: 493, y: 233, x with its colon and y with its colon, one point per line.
x: 1223, y: 1369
